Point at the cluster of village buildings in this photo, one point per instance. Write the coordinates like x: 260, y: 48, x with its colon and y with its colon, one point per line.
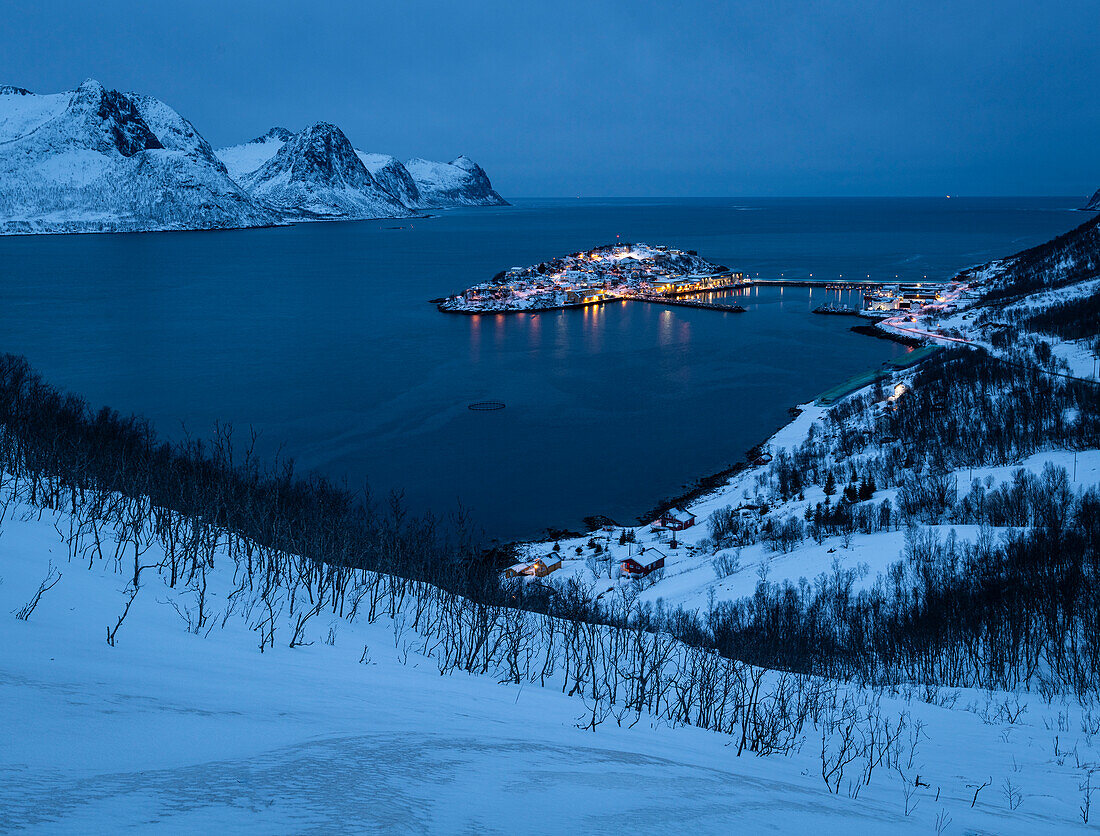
x: 911, y: 296
x: 636, y: 564
x: 619, y: 271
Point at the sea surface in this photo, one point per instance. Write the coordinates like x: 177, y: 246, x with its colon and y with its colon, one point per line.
x: 321, y: 337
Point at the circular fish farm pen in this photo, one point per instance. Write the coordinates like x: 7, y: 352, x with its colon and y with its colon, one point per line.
x: 486, y: 406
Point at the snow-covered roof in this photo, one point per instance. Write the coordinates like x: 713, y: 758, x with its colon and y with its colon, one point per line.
x: 679, y: 514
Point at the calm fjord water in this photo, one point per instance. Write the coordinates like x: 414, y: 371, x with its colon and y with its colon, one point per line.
x: 320, y: 336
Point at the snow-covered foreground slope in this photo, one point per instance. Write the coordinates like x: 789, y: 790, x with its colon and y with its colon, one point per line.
x: 173, y: 731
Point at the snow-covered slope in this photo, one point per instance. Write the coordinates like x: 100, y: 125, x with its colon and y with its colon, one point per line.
x: 1094, y: 202
x: 245, y: 158
x: 318, y: 174
x: 461, y: 182
x: 96, y: 160
x: 195, y: 730
x: 392, y: 176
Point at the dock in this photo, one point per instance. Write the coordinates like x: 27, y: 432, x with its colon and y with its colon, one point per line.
x: 828, y: 284
x: 837, y: 310
x: 689, y: 303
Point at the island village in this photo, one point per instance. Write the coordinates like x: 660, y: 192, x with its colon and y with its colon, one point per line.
x: 658, y: 274
x: 620, y: 271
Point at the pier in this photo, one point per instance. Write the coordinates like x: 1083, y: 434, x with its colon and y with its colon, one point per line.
x: 828, y: 284
x: 688, y: 303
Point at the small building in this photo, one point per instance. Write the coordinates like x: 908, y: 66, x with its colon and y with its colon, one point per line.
x: 517, y: 569
x: 879, y: 302
x: 543, y: 566
x: 675, y: 519
x: 899, y: 390
x: 643, y: 563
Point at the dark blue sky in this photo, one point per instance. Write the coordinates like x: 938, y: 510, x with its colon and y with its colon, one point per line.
x: 594, y: 98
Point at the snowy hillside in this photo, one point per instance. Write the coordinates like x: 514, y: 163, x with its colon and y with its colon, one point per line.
x: 245, y: 158
x: 182, y: 724
x: 98, y: 160
x: 316, y: 173
x: 392, y: 176
x: 461, y: 182
x: 1071, y: 257
x: 1094, y: 202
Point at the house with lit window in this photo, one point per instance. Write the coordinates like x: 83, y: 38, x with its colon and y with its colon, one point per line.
x: 643, y: 563
x: 675, y: 519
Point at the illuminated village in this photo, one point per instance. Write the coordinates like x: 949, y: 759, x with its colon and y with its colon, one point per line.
x: 620, y: 271
x: 660, y: 274
x: 889, y: 299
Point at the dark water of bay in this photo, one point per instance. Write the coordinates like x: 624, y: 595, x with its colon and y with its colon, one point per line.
x: 320, y: 336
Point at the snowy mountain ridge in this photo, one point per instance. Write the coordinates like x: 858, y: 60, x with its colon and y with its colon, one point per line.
x: 317, y: 173
x: 417, y: 183
x: 99, y: 160
x: 461, y: 182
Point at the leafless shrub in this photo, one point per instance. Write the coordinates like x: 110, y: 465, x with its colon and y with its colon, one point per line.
x: 53, y: 576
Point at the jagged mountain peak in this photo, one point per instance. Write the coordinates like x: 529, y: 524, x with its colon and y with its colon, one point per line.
x: 318, y: 173
x: 321, y: 150
x: 95, y: 159
x: 276, y: 134
x: 107, y: 119
x: 1094, y: 202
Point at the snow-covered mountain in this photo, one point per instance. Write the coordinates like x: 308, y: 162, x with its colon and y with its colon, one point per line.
x: 97, y: 160
x: 317, y: 173
x: 1094, y: 202
x: 461, y: 182
x: 418, y: 184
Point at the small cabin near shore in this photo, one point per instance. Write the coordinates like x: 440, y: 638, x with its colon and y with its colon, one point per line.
x: 675, y: 519
x: 540, y: 567
x: 643, y: 563
x: 543, y: 566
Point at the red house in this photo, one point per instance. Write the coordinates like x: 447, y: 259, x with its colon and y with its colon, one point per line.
x: 676, y: 519
x: 643, y: 563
